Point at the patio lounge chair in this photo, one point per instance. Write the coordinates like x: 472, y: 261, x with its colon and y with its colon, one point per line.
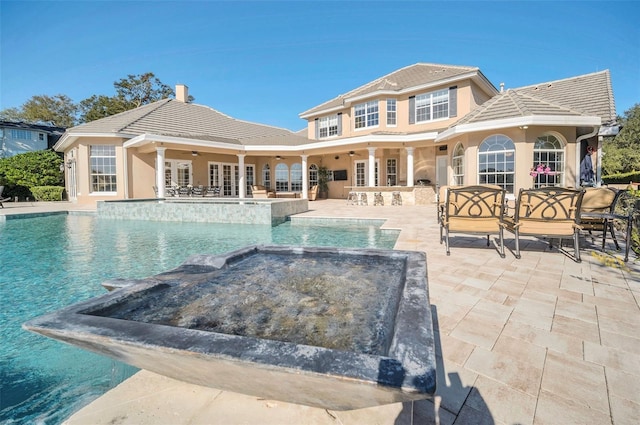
x: 1, y: 198
x: 474, y: 210
x: 548, y: 212
x: 259, y: 191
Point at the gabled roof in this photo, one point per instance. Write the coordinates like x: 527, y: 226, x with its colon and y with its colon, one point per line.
x: 28, y: 126
x: 173, y: 118
x: 408, y: 78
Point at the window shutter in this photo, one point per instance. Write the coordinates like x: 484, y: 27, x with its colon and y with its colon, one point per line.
x: 453, y: 101
x: 340, y: 124
x: 412, y: 110
x: 317, y: 129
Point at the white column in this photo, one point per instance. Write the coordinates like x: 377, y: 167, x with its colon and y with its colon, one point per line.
x: 372, y: 166
x: 160, y: 171
x: 242, y: 186
x: 305, y: 177
x: 409, y: 167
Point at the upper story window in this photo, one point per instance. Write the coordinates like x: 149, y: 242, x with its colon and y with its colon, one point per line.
x: 103, y: 168
x: 431, y: 106
x: 391, y: 112
x: 366, y: 114
x: 328, y: 126
x: 41, y: 136
x: 21, y: 134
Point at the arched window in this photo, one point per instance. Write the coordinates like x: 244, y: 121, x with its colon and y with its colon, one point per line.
x: 457, y: 162
x: 282, y: 177
x: 496, y: 162
x: 548, y: 162
x: 266, y: 176
x: 313, y: 175
x: 296, y: 178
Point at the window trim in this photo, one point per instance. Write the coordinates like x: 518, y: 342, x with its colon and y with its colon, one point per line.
x: 366, y: 115
x: 458, y: 155
x: 494, y: 138
x: 562, y: 151
x: 394, y: 112
x: 92, y: 186
x: 428, y: 99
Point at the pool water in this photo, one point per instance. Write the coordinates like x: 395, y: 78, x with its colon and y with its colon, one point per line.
x: 51, y: 262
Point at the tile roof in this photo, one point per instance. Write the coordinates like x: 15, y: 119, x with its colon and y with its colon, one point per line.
x: 169, y: 117
x: 591, y: 94
x: 397, y: 81
x: 585, y: 95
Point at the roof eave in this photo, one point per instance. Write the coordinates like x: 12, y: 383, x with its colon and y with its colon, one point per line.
x: 529, y: 120
x: 147, y: 139
x: 475, y: 75
x: 68, y: 138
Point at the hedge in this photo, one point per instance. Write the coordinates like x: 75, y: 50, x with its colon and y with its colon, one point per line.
x: 47, y: 193
x: 622, y: 178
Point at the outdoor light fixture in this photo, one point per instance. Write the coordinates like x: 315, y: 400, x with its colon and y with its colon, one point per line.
x: 194, y: 153
x: 524, y: 127
x: 278, y: 157
x: 351, y: 153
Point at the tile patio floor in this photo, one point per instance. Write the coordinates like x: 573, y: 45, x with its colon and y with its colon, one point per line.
x: 540, y: 340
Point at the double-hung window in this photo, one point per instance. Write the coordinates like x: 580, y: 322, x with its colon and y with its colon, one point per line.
x: 432, y: 106
x: 328, y: 126
x: 366, y: 114
x: 103, y: 168
x: 391, y: 112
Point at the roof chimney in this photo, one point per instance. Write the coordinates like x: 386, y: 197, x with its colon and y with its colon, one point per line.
x: 182, y: 93
x: 501, y: 87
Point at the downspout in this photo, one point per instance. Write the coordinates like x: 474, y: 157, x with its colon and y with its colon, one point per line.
x: 126, y: 173
x: 578, y: 160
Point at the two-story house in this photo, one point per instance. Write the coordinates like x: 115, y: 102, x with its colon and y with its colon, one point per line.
x: 408, y: 131
x: 20, y: 137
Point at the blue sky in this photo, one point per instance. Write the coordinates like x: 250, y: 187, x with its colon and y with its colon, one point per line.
x: 269, y: 61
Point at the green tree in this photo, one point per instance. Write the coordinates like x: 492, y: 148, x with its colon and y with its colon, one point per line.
x: 138, y: 90
x: 30, y: 169
x: 58, y: 110
x: 131, y: 92
x: 96, y: 107
x: 622, y: 152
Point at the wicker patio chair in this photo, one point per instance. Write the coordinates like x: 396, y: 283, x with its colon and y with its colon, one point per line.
x: 547, y: 212
x: 474, y: 210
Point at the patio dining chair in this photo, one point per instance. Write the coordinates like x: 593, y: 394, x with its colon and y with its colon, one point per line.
x: 1, y: 198
x: 212, y: 191
x: 184, y: 191
x: 197, y: 191
x: 596, y: 204
x: 474, y: 210
x: 547, y: 212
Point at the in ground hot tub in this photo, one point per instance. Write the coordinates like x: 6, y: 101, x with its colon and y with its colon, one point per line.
x: 326, y: 327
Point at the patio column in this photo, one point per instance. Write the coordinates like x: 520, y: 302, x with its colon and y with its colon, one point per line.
x: 305, y: 177
x: 372, y: 166
x: 242, y: 186
x: 409, y: 167
x: 160, y: 172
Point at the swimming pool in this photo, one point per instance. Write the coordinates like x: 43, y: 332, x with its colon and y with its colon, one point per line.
x: 54, y: 261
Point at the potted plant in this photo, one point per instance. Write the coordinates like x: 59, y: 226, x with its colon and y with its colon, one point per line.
x: 323, y: 182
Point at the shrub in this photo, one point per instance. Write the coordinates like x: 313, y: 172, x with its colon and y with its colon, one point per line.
x: 622, y: 178
x: 47, y: 193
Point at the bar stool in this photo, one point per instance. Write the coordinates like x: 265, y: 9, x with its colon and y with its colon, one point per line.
x: 363, y: 199
x: 352, y: 198
x: 378, y: 199
x: 396, y: 198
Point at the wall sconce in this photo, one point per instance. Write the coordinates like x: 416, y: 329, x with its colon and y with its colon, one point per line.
x: 194, y: 153
x: 351, y: 153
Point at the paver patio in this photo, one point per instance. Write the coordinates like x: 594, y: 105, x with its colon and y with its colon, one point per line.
x: 540, y: 340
